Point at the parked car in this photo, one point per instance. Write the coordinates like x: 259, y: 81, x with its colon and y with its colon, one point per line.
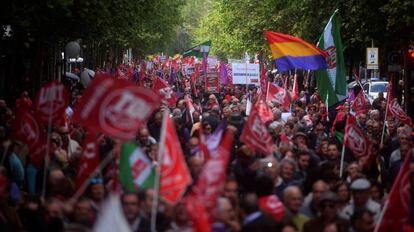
x: 373, y: 88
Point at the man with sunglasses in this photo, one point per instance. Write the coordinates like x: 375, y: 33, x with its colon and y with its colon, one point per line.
x: 328, y: 214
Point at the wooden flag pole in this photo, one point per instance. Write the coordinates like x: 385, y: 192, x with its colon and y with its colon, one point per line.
x: 46, y: 160
x: 341, y: 168
x: 157, y: 174
x: 85, y: 184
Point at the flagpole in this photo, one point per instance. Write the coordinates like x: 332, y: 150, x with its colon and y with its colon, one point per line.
x: 381, y: 216
x: 85, y: 184
x: 341, y: 168
x: 385, y: 117
x: 157, y: 174
x: 46, y: 160
x: 6, y: 148
x: 267, y: 92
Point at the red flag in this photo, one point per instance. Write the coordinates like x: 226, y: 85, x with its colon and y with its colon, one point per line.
x: 356, y: 139
x: 394, y: 109
x: 295, y: 93
x: 360, y: 104
x: 142, y: 74
x: 273, y: 206
x: 211, y: 180
x: 255, y: 134
x: 264, y: 111
x: 115, y: 107
x: 193, y: 84
x: 161, y: 87
x: 27, y: 129
x: 263, y: 82
x: 174, y: 174
x: 279, y: 95
x: 89, y: 159
x: 51, y: 101
x: 397, y: 207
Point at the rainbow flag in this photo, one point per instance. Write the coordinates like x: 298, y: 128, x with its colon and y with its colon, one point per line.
x: 293, y: 53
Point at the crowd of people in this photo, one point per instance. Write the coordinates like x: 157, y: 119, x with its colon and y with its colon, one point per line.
x: 303, y: 172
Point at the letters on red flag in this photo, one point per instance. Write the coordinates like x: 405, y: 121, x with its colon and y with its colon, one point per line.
x: 360, y: 103
x: 115, y: 107
x: 89, y: 159
x: 395, y: 111
x: 397, y: 207
x: 51, y: 102
x: 174, y: 174
x: 356, y: 139
x: 255, y: 134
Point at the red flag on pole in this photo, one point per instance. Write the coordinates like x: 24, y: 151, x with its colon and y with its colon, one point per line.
x: 115, y: 107
x: 161, y: 87
x: 279, y: 95
x: 51, y: 102
x: 295, y: 93
x: 394, y: 109
x: 396, y: 211
x: 174, y: 174
x: 356, y: 139
x: 360, y: 103
x: 27, y: 129
x: 255, y: 134
x: 89, y: 159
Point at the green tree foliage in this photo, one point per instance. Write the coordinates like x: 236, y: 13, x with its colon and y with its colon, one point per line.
x: 237, y: 26
x: 145, y: 25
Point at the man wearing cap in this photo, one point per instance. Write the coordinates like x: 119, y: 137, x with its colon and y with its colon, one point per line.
x: 361, y: 199
x: 329, y: 214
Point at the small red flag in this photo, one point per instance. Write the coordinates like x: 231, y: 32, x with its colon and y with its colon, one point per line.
x: 51, y: 102
x: 27, y: 129
x: 264, y: 111
x: 174, y: 174
x: 89, y: 159
x: 273, y: 206
x: 394, y: 109
x: 356, y: 139
x: 115, y: 107
x: 255, y: 134
x: 279, y: 95
x: 360, y: 103
x: 164, y: 90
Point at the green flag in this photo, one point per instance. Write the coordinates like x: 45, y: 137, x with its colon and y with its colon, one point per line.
x: 135, y: 169
x: 198, y: 50
x: 332, y: 81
